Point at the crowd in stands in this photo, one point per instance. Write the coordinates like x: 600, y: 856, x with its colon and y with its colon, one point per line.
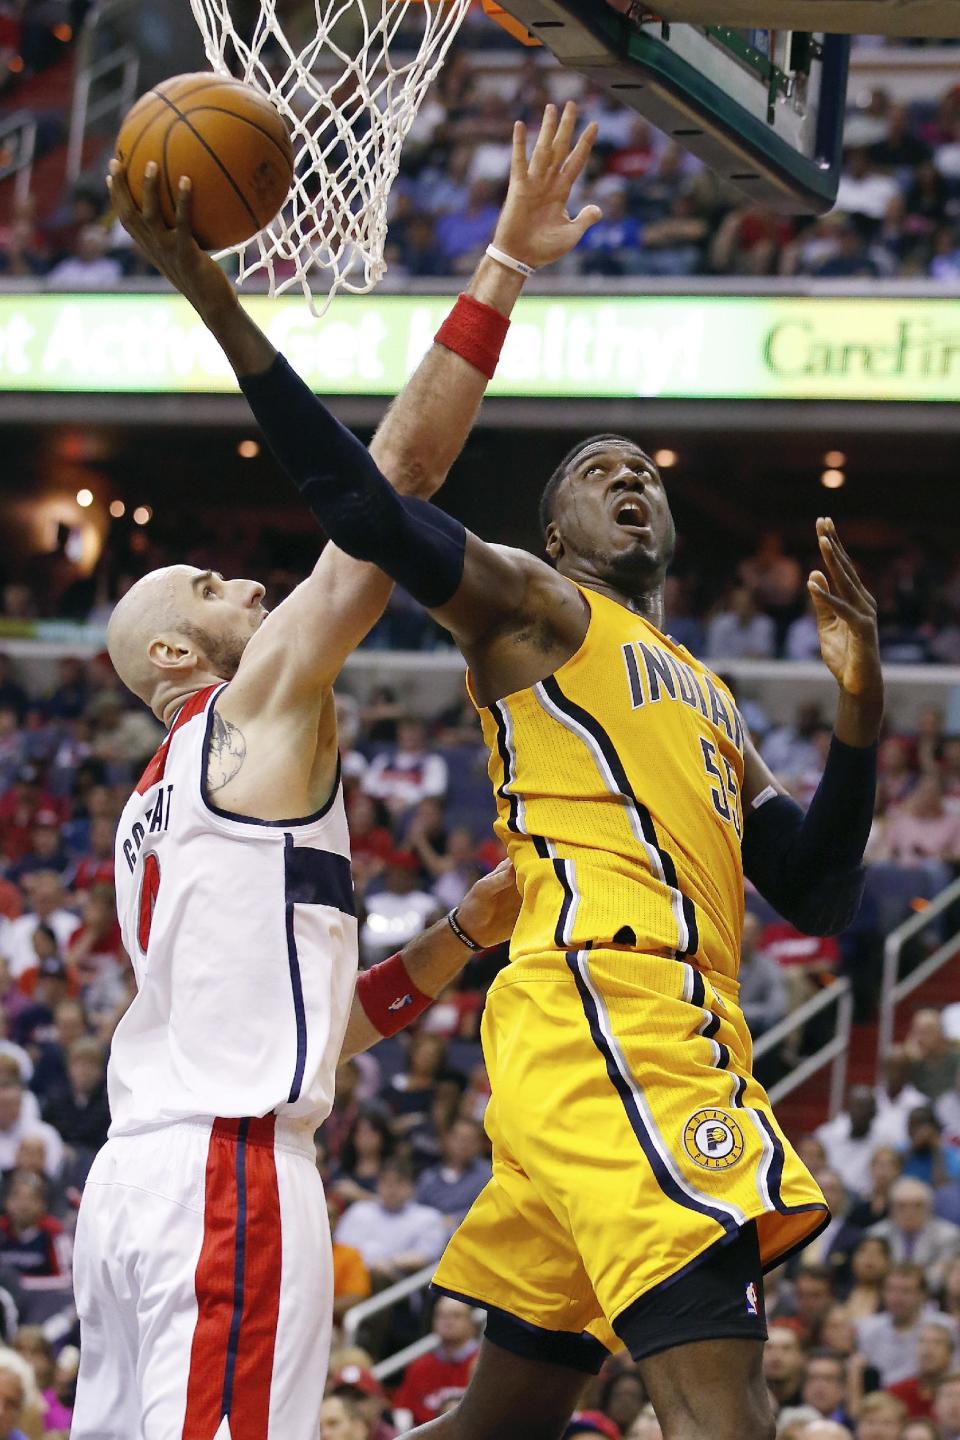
x: 859, y: 1327
x: 664, y: 213
x: 898, y: 211
x: 721, y: 607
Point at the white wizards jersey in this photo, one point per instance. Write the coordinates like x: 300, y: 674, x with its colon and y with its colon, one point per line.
x: 243, y: 939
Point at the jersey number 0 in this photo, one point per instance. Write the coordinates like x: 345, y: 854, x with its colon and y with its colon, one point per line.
x: 149, y: 886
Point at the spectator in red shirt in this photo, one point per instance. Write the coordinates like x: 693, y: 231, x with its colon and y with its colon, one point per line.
x: 808, y: 962
x: 639, y: 156
x: 32, y: 1243
x: 934, y: 1363
x: 96, y: 946
x: 11, y: 901
x: 749, y: 241
x: 435, y: 1379
x: 96, y: 867
x: 370, y: 843
x: 591, y: 1425
x: 18, y: 812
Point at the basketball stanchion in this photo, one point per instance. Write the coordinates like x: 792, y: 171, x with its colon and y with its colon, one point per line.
x: 930, y: 18
x: 754, y: 88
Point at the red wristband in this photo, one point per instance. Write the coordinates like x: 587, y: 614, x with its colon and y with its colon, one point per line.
x: 476, y: 332
x: 389, y: 997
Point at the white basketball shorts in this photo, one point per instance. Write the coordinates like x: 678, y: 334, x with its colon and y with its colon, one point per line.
x: 203, y: 1281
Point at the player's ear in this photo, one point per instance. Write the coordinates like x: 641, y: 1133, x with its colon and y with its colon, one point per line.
x: 171, y: 652
x: 552, y: 542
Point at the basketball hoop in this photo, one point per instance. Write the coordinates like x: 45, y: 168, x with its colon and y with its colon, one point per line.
x: 350, y: 91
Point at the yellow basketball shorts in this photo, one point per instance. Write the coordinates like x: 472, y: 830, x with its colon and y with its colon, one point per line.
x: 630, y: 1142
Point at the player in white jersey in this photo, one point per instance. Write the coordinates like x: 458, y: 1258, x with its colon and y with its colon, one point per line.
x: 202, y: 1257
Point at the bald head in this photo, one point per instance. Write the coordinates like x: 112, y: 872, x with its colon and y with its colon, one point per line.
x: 147, y: 611
x: 180, y: 627
x: 825, y: 1430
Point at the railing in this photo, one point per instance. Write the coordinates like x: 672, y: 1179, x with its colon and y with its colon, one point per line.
x: 18, y: 146
x: 834, y: 1053
x: 118, y: 71
x: 355, y: 1317
x: 893, y: 989
x: 383, y: 1368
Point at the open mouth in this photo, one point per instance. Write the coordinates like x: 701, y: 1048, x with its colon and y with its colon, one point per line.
x: 632, y: 517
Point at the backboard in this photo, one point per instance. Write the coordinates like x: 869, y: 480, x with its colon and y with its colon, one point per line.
x: 762, y: 107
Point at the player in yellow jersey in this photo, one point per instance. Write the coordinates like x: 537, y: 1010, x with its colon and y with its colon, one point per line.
x: 641, y: 1183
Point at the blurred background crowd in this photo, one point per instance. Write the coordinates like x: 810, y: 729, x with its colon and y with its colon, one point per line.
x: 898, y: 212
x: 732, y: 603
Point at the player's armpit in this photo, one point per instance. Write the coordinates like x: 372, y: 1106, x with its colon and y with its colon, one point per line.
x: 471, y: 587
x: 293, y: 659
x: 500, y: 589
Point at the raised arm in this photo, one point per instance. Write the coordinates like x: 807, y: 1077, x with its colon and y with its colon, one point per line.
x: 425, y: 427
x: 809, y: 864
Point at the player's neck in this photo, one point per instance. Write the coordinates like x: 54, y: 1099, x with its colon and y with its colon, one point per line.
x: 648, y: 605
x: 174, y: 696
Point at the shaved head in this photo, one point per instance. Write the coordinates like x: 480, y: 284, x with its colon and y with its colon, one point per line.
x: 151, y: 636
x: 147, y: 610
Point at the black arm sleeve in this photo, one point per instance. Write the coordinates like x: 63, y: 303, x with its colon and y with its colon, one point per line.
x: 808, y: 865
x: 414, y: 543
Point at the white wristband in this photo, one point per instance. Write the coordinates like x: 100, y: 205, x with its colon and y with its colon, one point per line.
x: 508, y: 260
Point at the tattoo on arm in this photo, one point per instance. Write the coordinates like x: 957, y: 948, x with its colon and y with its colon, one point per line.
x: 227, y: 752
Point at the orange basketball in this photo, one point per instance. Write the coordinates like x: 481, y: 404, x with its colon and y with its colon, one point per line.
x: 227, y: 137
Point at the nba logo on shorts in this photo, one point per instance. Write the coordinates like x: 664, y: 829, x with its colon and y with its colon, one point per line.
x: 753, y: 1306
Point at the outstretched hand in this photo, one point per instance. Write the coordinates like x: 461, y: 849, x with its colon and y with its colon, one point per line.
x: 534, y: 225
x: 172, y: 249
x: 846, y: 615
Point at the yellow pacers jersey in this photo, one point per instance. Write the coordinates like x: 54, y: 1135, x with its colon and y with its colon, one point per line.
x: 618, y: 783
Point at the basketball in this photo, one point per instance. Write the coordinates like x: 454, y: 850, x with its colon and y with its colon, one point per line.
x: 231, y: 142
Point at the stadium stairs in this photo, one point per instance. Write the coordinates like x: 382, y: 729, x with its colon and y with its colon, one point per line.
x: 806, y: 1108
x: 48, y: 94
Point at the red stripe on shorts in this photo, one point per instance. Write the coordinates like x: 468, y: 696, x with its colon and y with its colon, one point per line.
x: 216, y: 1281
x: 214, y: 1286
x: 250, y: 1410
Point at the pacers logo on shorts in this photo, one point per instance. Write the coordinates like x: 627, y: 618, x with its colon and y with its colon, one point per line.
x: 713, y: 1139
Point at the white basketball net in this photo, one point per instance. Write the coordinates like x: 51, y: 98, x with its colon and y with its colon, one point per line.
x: 350, y: 105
